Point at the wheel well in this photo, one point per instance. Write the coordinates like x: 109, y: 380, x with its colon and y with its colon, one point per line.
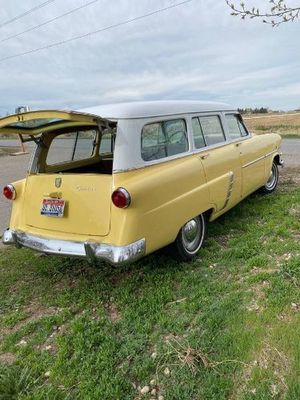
x: 208, y: 214
x: 277, y: 159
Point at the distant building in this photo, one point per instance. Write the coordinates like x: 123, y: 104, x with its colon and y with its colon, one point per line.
x: 22, y: 109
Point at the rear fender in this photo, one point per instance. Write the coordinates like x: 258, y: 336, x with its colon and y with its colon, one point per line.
x: 17, y: 204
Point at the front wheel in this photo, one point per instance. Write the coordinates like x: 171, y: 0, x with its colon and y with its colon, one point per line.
x: 272, y: 182
x: 190, y: 238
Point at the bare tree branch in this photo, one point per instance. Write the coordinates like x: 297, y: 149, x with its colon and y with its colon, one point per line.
x: 278, y: 13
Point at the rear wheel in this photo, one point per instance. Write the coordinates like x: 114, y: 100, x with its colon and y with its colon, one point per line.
x: 191, y: 237
x: 272, y: 182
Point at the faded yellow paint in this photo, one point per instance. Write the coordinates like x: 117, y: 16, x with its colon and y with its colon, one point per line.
x: 164, y: 196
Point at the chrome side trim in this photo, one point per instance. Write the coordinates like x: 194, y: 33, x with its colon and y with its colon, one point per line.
x: 259, y: 159
x: 253, y: 162
x: 229, y: 191
x: 271, y: 152
x: 115, y: 255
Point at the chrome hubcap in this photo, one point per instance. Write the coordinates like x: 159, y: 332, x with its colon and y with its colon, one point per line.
x: 191, y: 233
x: 272, y: 179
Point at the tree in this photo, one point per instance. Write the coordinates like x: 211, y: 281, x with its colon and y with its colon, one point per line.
x: 277, y: 13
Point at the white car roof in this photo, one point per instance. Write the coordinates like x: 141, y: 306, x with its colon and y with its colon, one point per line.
x: 148, y: 109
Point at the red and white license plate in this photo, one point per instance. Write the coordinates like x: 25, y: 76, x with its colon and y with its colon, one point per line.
x: 53, y: 207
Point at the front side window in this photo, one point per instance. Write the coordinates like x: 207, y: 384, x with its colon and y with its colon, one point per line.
x: 164, y: 139
x: 212, y: 129
x: 72, y: 146
x: 236, y: 128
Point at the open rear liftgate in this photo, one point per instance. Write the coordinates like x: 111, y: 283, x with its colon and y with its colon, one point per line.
x: 30, y: 126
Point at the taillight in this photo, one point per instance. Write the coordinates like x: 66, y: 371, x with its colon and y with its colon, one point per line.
x: 9, y: 192
x: 121, y: 198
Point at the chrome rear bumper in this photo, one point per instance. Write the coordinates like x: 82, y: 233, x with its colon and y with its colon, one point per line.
x: 93, y: 251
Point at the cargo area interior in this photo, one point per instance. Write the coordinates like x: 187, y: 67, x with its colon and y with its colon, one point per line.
x: 104, y: 166
x: 80, y: 150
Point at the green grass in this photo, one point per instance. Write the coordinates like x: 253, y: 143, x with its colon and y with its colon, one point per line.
x: 226, y: 326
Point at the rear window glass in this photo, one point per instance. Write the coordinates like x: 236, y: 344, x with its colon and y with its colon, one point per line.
x: 164, y: 139
x: 107, y: 143
x: 72, y: 146
x: 212, y: 129
x: 35, y: 123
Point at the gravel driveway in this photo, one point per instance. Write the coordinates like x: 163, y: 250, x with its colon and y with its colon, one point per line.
x: 14, y: 168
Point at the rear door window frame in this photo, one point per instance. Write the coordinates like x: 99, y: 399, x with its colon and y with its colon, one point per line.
x: 220, y: 115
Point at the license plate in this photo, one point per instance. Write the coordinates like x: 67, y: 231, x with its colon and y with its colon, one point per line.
x: 53, y: 207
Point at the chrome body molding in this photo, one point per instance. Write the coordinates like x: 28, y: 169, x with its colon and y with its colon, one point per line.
x: 230, y: 186
x: 115, y: 255
x: 259, y: 159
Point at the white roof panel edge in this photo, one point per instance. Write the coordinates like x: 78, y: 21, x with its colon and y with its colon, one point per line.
x: 148, y: 109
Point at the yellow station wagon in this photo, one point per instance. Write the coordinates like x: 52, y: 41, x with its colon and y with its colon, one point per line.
x: 120, y: 181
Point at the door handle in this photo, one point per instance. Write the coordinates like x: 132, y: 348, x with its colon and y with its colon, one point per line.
x: 204, y: 156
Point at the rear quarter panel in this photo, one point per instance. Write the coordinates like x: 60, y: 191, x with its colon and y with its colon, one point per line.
x: 17, y: 214
x: 257, y: 155
x: 164, y: 197
x: 273, y: 141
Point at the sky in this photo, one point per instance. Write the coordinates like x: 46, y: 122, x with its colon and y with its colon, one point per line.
x: 195, y: 51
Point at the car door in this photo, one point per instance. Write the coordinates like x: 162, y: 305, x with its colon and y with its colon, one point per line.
x: 251, y: 152
x: 220, y: 160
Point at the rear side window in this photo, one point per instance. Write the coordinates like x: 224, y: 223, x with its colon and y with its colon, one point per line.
x: 236, y: 128
x: 72, y: 146
x: 164, y: 139
x: 212, y: 129
x: 107, y: 143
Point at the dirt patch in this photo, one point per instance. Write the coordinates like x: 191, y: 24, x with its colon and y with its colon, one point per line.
x: 282, y: 259
x: 290, y: 175
x: 112, y: 312
x: 256, y: 270
x: 49, y: 345
x: 258, y: 291
x: 118, y: 278
x: 294, y: 211
x: 7, y: 358
x: 222, y: 240
x: 34, y: 312
x: 269, y: 358
x: 295, y: 235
